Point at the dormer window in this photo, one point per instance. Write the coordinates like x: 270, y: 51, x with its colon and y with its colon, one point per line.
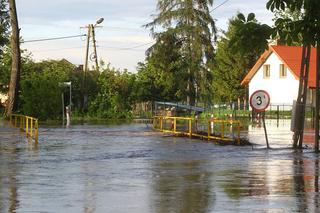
x: 266, y: 71
x: 283, y: 71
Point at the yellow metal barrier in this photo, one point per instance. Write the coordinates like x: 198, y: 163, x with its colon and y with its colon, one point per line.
x: 27, y: 124
x: 211, y: 129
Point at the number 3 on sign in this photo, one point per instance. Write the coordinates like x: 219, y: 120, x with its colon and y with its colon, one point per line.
x: 259, y: 100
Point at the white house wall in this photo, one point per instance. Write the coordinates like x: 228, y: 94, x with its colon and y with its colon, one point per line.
x: 282, y: 91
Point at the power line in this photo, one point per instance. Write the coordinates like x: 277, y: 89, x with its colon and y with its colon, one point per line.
x: 128, y: 48
x: 133, y: 48
x: 57, y: 49
x: 219, y: 6
x: 54, y: 38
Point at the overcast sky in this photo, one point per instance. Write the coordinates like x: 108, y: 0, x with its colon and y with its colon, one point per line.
x: 121, y: 41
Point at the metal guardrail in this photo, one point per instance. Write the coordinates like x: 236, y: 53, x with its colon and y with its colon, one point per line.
x: 211, y: 129
x: 27, y: 124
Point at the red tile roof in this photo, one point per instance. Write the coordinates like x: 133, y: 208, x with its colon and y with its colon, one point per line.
x: 291, y: 57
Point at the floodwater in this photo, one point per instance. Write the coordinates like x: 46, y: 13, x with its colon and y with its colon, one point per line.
x: 130, y: 168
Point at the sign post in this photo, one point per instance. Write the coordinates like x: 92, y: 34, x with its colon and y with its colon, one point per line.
x: 259, y: 101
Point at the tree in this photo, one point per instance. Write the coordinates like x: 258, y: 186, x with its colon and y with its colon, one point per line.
x: 189, y: 22
x: 15, y: 67
x: 305, y: 29
x: 40, y: 90
x: 4, y: 25
x: 237, y: 51
x: 115, y: 96
x: 292, y: 15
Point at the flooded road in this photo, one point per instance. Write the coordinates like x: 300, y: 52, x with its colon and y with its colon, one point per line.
x: 129, y: 168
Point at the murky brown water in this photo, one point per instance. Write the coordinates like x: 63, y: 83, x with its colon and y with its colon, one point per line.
x: 129, y: 168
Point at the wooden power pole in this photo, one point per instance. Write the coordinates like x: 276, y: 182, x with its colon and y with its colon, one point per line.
x: 316, y: 142
x: 91, y: 33
x: 302, y: 98
x: 15, y: 66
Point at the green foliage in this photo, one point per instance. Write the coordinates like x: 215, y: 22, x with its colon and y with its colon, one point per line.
x: 162, y: 77
x: 291, y: 29
x: 5, y: 68
x: 115, y: 96
x: 188, y: 29
x: 4, y: 24
x: 40, y: 90
x: 237, y: 52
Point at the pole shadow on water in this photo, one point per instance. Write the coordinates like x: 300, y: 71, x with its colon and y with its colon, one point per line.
x: 306, y: 182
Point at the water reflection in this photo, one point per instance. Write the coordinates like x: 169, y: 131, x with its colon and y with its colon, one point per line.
x: 8, y: 180
x: 182, y: 187
x: 131, y: 169
x: 286, y: 183
x: 89, y: 191
x: 306, y: 182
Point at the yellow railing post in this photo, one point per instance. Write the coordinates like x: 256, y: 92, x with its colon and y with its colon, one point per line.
x: 190, y: 127
x: 238, y: 129
x: 174, y: 125
x: 222, y: 130
x: 209, y: 129
x: 27, y: 127
x: 161, y: 123
x: 31, y: 127
x: 36, y: 131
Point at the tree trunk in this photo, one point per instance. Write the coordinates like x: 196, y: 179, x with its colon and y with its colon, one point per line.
x: 15, y: 66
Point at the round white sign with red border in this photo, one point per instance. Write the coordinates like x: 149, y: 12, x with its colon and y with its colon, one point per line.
x: 259, y: 100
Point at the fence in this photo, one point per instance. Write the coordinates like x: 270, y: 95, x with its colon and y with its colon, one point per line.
x: 27, y: 124
x: 210, y: 129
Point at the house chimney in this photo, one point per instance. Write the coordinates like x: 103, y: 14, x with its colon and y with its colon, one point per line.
x: 275, y: 42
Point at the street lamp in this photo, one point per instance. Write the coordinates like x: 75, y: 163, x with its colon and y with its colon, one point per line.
x: 99, y: 21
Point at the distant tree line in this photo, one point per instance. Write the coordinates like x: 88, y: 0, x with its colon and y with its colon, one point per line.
x: 189, y: 62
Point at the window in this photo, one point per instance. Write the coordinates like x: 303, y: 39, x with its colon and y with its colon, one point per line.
x: 283, y: 71
x: 266, y: 71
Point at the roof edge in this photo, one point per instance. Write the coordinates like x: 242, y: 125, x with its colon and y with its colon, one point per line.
x: 256, y: 67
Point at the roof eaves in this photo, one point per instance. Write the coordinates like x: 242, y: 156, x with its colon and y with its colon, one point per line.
x: 256, y: 67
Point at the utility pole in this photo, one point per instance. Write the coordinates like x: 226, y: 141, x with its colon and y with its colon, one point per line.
x: 302, y: 97
x: 316, y: 142
x: 15, y: 65
x: 95, y: 47
x: 91, y: 33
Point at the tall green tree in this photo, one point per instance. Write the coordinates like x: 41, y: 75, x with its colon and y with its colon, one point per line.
x: 163, y: 70
x: 192, y: 26
x: 237, y: 51
x: 4, y: 35
x: 4, y: 25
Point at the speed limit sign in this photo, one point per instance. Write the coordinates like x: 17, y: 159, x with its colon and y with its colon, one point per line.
x: 259, y: 100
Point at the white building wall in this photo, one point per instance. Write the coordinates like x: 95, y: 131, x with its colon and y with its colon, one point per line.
x: 3, y: 98
x: 281, y: 90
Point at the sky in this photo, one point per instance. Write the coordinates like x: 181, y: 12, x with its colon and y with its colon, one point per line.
x: 121, y: 40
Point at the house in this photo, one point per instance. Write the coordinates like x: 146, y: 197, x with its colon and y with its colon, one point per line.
x: 3, y: 99
x: 277, y: 71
